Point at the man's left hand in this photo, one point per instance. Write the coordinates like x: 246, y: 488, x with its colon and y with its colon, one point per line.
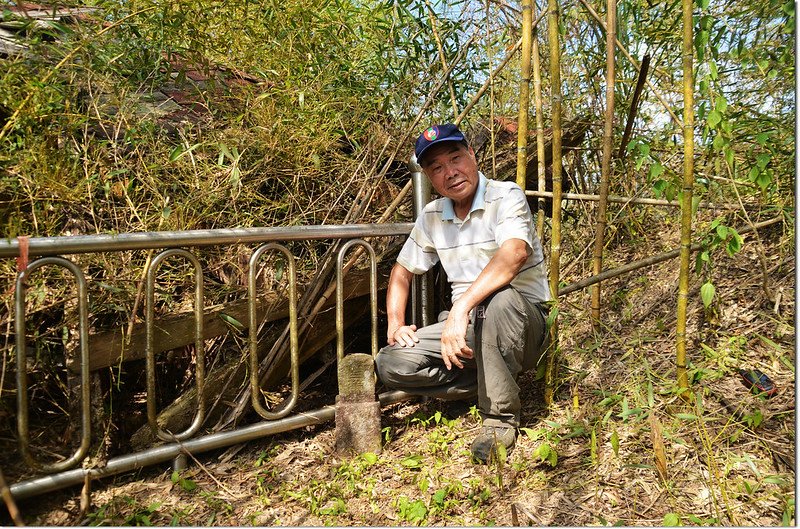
x: 454, y: 339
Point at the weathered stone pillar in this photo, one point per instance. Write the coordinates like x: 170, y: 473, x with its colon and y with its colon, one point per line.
x: 358, y: 413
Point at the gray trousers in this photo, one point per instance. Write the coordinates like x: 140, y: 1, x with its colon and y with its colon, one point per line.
x: 508, y: 335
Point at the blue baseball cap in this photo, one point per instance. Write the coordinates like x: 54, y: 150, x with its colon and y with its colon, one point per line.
x: 436, y: 134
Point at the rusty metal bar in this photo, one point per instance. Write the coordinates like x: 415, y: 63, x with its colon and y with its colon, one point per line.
x: 39, y: 246
x: 199, y: 346
x: 373, y: 296
x: 255, y: 389
x: 22, y: 372
x: 167, y: 452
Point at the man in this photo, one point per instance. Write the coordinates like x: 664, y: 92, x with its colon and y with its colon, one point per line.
x: 483, y: 233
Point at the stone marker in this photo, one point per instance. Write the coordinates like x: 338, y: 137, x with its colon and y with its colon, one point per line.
x: 358, y: 413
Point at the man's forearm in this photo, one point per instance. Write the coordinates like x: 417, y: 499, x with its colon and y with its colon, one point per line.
x: 397, y: 295
x: 501, y: 270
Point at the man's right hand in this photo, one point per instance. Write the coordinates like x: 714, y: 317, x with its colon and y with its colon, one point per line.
x: 403, y: 335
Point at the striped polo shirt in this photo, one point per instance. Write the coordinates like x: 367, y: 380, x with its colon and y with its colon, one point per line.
x: 499, y: 212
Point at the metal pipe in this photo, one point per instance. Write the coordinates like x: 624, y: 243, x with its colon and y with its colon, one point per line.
x: 199, y: 345
x: 22, y: 372
x: 39, y: 246
x: 167, y: 452
x: 373, y: 296
x: 422, y: 195
x: 294, y: 355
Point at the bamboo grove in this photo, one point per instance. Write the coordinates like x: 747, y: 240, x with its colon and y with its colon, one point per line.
x: 303, y: 113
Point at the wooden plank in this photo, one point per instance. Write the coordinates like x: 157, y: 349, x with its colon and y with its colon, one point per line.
x: 110, y: 348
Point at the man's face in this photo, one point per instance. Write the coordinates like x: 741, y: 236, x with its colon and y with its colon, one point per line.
x: 453, y: 172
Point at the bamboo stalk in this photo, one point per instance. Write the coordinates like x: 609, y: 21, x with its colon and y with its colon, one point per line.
x: 637, y: 92
x: 636, y: 65
x: 524, y: 93
x: 686, y: 199
x: 632, y: 200
x: 537, y: 101
x: 490, y: 57
x: 653, y: 259
x: 605, y: 171
x: 555, y: 242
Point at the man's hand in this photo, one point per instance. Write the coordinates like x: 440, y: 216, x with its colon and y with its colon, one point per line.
x: 404, y: 335
x: 454, y: 339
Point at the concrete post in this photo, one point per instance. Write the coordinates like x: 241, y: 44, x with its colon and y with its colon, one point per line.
x: 358, y: 413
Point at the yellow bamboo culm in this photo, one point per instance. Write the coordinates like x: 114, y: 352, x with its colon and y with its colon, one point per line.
x: 524, y: 93
x: 537, y: 101
x: 605, y: 171
x: 686, y: 200
x: 555, y: 236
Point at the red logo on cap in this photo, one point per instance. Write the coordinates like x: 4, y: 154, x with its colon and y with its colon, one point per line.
x: 431, y: 134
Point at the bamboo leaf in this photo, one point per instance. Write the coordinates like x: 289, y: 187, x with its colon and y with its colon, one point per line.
x: 714, y: 118
x: 657, y: 438
x: 707, y: 292
x: 615, y: 442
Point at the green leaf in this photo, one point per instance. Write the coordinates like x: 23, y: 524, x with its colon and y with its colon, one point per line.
x: 176, y: 153
x: 762, y: 160
x: 729, y: 155
x: 713, y: 72
x: 656, y: 169
x: 764, y: 179
x: 231, y: 320
x: 734, y: 243
x: 414, y: 461
x: 671, y: 520
x: 686, y: 416
x: 659, y: 187
x: 721, y: 103
x: 714, y: 118
x: 369, y: 458
x: 615, y: 442
x: 707, y: 292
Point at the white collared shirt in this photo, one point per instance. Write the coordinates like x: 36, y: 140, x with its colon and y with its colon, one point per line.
x: 499, y: 212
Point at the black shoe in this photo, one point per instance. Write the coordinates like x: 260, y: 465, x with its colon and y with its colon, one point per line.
x: 484, y: 447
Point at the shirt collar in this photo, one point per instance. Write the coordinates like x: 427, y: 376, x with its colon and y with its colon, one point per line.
x: 478, y: 202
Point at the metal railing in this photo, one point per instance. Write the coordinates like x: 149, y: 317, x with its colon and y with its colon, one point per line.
x: 50, y: 250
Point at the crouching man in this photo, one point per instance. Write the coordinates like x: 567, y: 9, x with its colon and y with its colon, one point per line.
x: 482, y: 232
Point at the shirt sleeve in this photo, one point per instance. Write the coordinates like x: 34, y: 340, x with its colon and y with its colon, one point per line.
x: 418, y: 254
x: 514, y: 219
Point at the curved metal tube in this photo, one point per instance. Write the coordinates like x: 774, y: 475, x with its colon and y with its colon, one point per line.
x: 22, y: 375
x: 373, y: 296
x: 198, y: 445
x: 255, y: 386
x: 199, y: 345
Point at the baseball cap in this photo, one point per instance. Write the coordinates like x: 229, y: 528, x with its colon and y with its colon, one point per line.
x: 436, y: 134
